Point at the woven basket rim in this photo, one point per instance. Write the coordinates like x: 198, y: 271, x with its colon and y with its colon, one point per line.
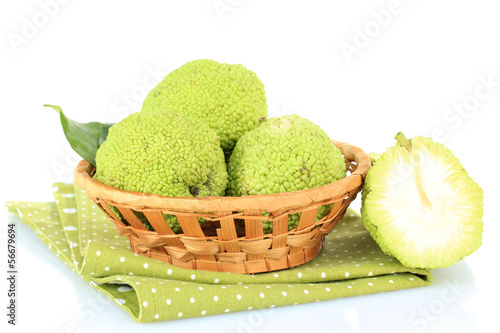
x: 262, y: 202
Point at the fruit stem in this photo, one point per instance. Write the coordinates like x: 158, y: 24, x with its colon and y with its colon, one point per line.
x: 424, y: 199
x: 403, y: 141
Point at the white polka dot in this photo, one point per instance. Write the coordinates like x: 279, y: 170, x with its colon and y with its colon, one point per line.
x: 261, y: 295
x: 123, y: 289
x: 157, y: 316
x: 169, y: 301
x: 98, y: 253
x: 346, y: 274
x: 390, y: 281
x: 153, y: 290
x: 180, y: 314
x: 227, y: 310
x: 216, y: 280
x: 203, y: 312
x: 106, y: 268
x: 69, y: 210
x: 193, y: 277
x: 238, y: 296
x: 327, y: 289
x: 284, y: 293
x: 146, y: 265
x: 370, y: 273
x: 122, y: 259
x: 120, y: 301
x: 276, y: 275
x: 192, y: 300
x: 370, y: 284
x: 350, y: 287
x: 169, y: 271
x: 306, y: 291
x: 216, y: 298
x: 299, y: 275
x: 145, y: 303
x: 323, y: 275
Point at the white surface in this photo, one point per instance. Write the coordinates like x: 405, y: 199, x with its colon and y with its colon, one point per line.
x: 97, y: 59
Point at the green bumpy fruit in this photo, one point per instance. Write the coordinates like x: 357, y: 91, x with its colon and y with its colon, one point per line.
x: 163, y: 152
x: 284, y: 154
x: 229, y: 98
x: 420, y: 205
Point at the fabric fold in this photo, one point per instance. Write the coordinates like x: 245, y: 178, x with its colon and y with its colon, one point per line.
x: 80, y: 234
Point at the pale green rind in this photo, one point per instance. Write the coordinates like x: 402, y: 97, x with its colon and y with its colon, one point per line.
x: 229, y: 98
x: 377, y: 211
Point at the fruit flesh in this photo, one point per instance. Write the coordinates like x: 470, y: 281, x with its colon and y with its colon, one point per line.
x: 421, y: 206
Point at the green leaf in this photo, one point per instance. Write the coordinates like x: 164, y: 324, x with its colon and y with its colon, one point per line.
x: 84, y: 138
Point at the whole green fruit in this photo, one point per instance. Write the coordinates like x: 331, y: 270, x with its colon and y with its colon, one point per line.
x: 229, y: 98
x: 284, y: 154
x: 163, y: 152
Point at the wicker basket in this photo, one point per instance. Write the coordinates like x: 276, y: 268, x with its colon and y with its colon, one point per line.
x: 223, y: 243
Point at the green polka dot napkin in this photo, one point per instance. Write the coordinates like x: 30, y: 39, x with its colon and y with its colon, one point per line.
x: 79, y: 234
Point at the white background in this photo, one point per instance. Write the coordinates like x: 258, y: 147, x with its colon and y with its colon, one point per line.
x: 363, y: 70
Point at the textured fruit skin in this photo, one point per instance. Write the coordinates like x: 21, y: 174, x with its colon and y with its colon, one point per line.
x: 165, y: 153
x: 284, y: 154
x: 229, y: 98
x: 429, y: 236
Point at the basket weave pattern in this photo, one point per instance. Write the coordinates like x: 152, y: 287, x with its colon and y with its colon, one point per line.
x: 224, y: 243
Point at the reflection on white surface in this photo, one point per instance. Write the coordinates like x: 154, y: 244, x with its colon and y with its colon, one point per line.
x: 351, y: 316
